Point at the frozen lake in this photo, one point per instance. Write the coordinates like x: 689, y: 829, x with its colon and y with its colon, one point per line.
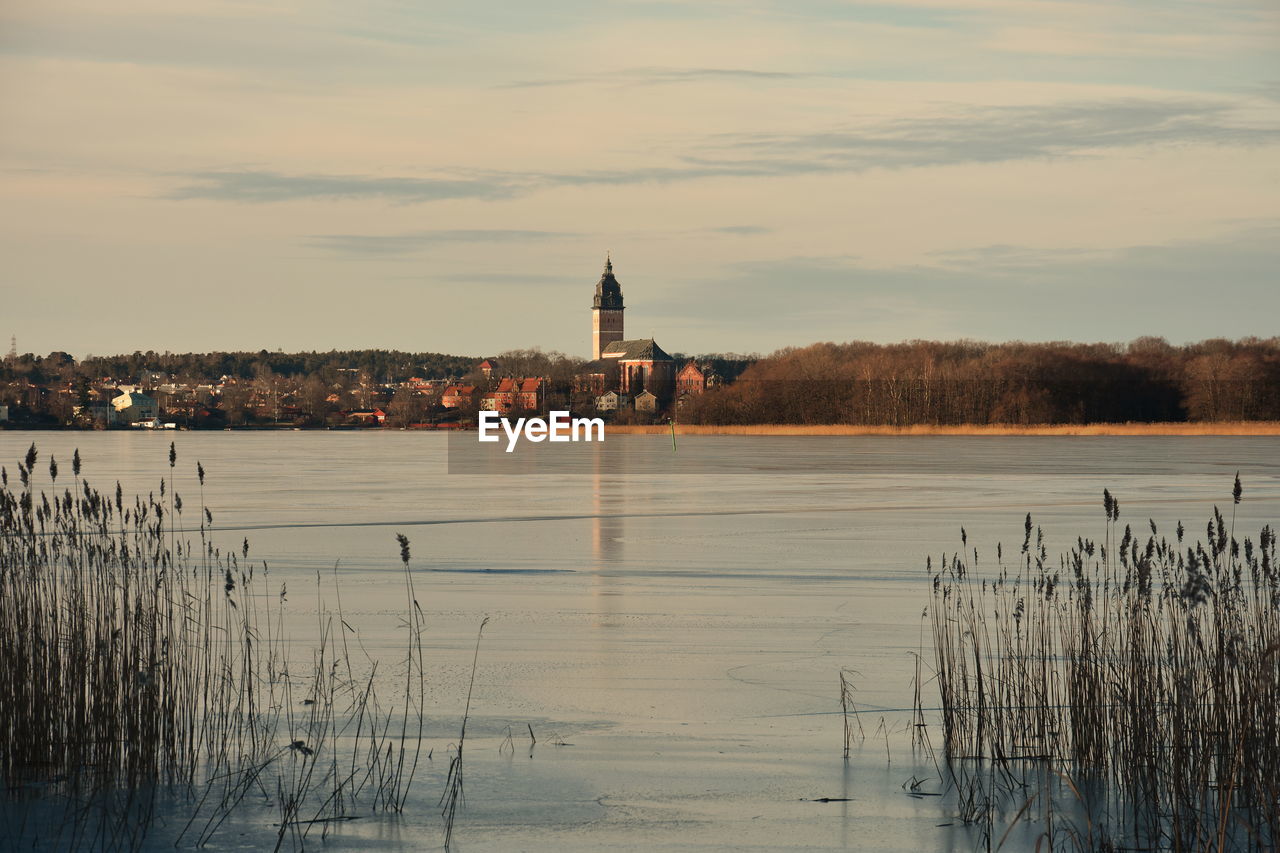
x: 677, y: 620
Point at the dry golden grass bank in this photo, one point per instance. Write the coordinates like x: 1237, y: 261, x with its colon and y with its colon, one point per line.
x: 1220, y: 428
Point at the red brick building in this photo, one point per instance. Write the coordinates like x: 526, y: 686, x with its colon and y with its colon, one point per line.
x: 457, y: 395
x: 691, y: 379
x: 516, y: 393
x: 627, y: 367
x: 642, y: 365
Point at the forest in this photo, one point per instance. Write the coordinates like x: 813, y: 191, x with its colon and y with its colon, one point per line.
x: 967, y: 382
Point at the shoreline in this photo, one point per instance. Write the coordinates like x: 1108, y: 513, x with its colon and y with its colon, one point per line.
x: 1221, y: 429
x: 1225, y: 428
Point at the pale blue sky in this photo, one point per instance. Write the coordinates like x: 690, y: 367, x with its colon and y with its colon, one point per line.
x: 315, y: 175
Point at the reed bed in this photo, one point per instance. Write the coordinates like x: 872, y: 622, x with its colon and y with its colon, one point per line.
x: 1130, y: 687
x: 1234, y: 428
x: 142, y: 665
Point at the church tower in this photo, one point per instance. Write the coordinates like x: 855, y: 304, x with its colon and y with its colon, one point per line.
x: 606, y: 311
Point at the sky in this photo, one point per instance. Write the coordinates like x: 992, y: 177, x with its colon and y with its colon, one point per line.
x: 448, y: 177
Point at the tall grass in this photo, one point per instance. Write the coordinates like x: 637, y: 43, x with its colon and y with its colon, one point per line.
x: 1139, y: 675
x: 138, y: 663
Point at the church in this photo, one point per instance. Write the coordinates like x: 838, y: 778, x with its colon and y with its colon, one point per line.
x: 626, y: 367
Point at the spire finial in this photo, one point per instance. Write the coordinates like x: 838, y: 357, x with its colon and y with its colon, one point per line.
x: 608, y: 261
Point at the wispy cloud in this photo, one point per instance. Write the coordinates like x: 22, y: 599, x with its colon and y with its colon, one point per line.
x: 659, y: 77
x: 741, y: 230
x: 416, y: 241
x: 523, y: 279
x: 265, y: 186
x: 404, y: 150
x: 1000, y: 134
x: 963, y: 135
x: 1006, y: 258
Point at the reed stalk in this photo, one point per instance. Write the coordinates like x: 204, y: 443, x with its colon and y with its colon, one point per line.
x: 134, y: 670
x: 1143, y: 673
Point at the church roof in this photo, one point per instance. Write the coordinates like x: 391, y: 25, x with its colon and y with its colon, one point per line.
x: 645, y: 349
x: 608, y: 291
x: 599, y: 366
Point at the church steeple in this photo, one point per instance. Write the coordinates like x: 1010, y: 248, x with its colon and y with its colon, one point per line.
x: 606, y: 311
x: 608, y: 291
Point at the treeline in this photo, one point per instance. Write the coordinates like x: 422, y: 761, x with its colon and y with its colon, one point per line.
x: 560, y: 369
x: 918, y: 382
x: 927, y: 382
x: 378, y: 365
x: 726, y: 367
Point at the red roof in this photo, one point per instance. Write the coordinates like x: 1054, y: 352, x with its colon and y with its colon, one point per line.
x: 525, y: 386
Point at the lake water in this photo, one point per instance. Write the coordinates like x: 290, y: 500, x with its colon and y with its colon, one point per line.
x: 677, y: 620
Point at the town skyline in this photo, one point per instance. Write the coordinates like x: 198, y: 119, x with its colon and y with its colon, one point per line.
x: 311, y: 176
x: 634, y: 379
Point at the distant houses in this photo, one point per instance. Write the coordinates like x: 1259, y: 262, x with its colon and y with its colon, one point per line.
x: 511, y: 394
x: 625, y: 379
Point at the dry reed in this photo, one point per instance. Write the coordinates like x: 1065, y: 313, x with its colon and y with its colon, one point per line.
x: 138, y: 667
x: 1235, y: 428
x: 1131, y: 686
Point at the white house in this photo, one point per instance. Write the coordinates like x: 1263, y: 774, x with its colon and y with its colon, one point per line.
x: 646, y: 401
x: 134, y: 406
x: 610, y: 401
